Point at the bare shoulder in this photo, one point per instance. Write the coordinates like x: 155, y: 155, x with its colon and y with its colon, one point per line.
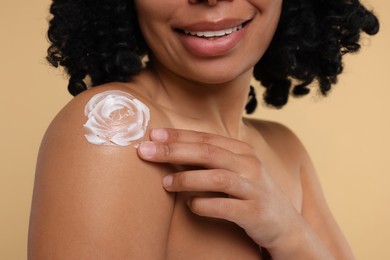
x: 280, y: 138
x: 94, y: 198
x: 103, y: 105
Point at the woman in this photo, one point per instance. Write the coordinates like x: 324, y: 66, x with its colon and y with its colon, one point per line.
x: 156, y: 161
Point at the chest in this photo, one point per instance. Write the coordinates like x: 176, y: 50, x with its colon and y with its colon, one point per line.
x: 195, y: 237
x: 205, y: 238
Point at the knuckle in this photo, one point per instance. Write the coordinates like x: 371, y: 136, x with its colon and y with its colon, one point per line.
x: 247, y: 148
x: 206, y: 139
x: 257, y: 208
x: 174, y: 135
x: 207, y: 152
x: 256, y: 162
x: 182, y: 180
x: 224, y: 209
x: 254, y: 167
x: 167, y: 150
x: 245, y: 185
x: 222, y: 181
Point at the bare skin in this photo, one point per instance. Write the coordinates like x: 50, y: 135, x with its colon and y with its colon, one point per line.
x: 205, y: 184
x: 117, y: 208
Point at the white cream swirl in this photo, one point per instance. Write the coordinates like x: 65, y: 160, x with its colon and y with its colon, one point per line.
x: 115, y: 118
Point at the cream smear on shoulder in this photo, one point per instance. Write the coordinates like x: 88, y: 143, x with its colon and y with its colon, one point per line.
x: 116, y: 118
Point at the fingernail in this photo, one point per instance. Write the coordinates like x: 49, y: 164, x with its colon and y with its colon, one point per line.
x: 147, y: 149
x: 167, y: 181
x: 160, y: 135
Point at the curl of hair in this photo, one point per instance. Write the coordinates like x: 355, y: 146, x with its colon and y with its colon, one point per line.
x: 309, y: 43
x: 98, y: 38
x: 101, y: 39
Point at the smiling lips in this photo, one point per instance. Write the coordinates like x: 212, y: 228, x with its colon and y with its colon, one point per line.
x: 212, y: 39
x: 213, y: 34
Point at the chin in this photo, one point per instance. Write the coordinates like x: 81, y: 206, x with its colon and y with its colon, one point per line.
x: 217, y: 77
x: 220, y: 72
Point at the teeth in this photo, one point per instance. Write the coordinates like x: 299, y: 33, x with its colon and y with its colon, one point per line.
x: 212, y: 34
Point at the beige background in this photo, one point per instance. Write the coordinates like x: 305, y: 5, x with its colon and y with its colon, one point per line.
x: 347, y: 134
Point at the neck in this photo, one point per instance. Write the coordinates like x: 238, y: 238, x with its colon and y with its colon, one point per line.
x: 218, y: 106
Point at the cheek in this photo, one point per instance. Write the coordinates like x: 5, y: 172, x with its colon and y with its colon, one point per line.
x: 269, y: 11
x: 152, y: 12
x: 267, y: 22
x: 154, y: 17
x: 262, y: 5
x: 151, y: 7
x: 147, y: 14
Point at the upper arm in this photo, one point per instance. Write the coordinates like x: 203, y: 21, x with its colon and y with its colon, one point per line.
x: 95, y: 202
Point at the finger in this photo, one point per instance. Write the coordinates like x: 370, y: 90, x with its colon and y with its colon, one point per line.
x: 195, y: 154
x: 209, y: 181
x: 189, y: 136
x: 230, y: 209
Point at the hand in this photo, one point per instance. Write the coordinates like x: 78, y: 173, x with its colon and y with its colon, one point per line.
x: 229, y: 166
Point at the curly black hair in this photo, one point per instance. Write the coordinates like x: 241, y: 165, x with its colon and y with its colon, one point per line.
x: 101, y: 39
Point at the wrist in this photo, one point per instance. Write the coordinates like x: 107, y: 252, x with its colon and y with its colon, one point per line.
x: 299, y: 241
